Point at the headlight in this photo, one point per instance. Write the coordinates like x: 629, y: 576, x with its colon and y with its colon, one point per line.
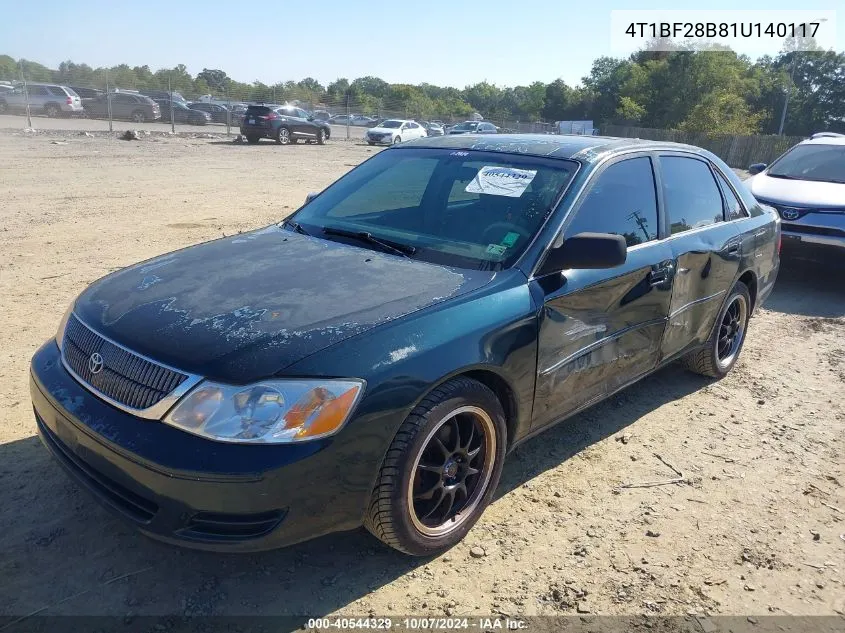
x: 270, y: 412
x: 60, y: 333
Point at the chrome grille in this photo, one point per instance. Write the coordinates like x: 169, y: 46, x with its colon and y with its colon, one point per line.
x: 126, y: 378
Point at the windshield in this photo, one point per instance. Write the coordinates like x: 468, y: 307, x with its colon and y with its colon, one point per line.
x: 470, y: 209
x: 466, y: 126
x: 391, y: 124
x: 823, y: 163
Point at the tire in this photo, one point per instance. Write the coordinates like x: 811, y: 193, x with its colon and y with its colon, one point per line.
x: 52, y: 110
x: 4, y: 107
x: 397, y: 140
x: 252, y: 139
x: 718, y: 356
x: 283, y: 136
x: 475, y: 441
x: 138, y: 116
x: 321, y: 137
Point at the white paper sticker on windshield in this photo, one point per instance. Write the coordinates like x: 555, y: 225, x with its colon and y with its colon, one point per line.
x: 501, y: 181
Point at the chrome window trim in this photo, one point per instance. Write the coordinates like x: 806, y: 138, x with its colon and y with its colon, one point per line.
x: 155, y: 412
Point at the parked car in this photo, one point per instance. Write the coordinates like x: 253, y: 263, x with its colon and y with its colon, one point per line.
x: 158, y: 95
x: 219, y: 113
x: 339, y: 119
x: 281, y: 124
x: 807, y: 187
x: 375, y: 356
x: 87, y: 95
x: 182, y: 113
x: 298, y: 113
x: 432, y: 129
x: 50, y: 99
x: 134, y: 107
x: 394, y: 131
x: 473, y: 127
x: 363, y: 121
x: 321, y: 115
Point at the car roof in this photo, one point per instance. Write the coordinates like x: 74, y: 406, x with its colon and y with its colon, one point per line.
x: 583, y: 148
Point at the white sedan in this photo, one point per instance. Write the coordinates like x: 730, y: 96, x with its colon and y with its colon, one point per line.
x: 394, y: 131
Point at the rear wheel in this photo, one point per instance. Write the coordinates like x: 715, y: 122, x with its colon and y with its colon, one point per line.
x: 51, y: 110
x: 321, y: 137
x: 252, y: 139
x: 138, y: 116
x: 283, y: 136
x: 441, y: 469
x: 720, y: 353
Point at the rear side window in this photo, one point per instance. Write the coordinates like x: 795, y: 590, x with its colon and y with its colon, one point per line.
x: 623, y: 201
x: 734, y: 210
x: 692, y: 196
x: 38, y: 91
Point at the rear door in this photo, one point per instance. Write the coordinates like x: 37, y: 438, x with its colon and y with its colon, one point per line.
x: 707, y: 250
x: 601, y: 329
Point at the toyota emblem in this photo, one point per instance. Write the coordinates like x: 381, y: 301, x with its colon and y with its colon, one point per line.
x: 95, y: 363
x: 790, y: 214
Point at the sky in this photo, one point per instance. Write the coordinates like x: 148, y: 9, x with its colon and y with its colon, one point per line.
x: 448, y: 43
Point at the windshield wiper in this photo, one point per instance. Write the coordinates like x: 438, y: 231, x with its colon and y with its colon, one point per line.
x: 784, y: 176
x: 296, y: 226
x: 396, y: 248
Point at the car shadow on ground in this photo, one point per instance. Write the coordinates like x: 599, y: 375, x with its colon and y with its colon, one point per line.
x: 63, y: 551
x: 810, y: 283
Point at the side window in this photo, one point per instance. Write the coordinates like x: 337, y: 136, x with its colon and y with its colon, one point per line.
x: 56, y: 91
x: 37, y: 91
x: 734, y: 209
x: 622, y: 201
x: 400, y: 186
x: 692, y: 196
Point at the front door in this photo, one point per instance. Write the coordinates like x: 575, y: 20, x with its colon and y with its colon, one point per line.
x: 601, y: 329
x: 707, y: 250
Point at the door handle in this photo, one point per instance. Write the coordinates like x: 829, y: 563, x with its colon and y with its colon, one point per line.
x: 658, y: 277
x: 733, y: 249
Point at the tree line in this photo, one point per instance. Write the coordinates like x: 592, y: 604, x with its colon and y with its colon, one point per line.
x: 713, y: 91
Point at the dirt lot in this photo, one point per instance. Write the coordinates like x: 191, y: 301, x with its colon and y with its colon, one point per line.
x: 758, y: 528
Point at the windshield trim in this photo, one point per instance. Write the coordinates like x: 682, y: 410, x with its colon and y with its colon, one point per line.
x: 574, y: 164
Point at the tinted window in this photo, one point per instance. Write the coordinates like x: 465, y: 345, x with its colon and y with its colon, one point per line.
x: 56, y: 91
x: 734, y: 207
x: 122, y: 99
x: 692, y: 196
x: 622, y: 201
x: 258, y: 110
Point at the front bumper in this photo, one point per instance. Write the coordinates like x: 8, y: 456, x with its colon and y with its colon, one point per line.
x: 381, y: 140
x: 803, y: 236
x: 187, y: 490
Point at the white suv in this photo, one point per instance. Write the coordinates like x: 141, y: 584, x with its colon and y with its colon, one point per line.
x: 807, y: 187
x: 50, y: 99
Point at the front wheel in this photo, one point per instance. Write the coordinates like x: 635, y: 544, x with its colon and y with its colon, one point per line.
x: 720, y: 353
x: 321, y: 137
x: 441, y: 469
x: 397, y: 139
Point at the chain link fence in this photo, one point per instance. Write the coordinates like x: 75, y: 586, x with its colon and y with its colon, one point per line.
x: 116, y: 104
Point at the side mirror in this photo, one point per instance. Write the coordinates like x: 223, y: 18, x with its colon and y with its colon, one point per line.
x: 310, y: 196
x: 586, y: 250
x: 756, y: 168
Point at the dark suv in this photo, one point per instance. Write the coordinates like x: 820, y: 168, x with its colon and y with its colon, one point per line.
x: 135, y: 107
x: 182, y: 113
x: 284, y: 124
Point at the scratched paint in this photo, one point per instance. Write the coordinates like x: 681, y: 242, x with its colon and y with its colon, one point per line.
x: 263, y: 299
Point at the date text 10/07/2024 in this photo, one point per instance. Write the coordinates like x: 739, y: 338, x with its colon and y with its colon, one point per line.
x: 416, y: 624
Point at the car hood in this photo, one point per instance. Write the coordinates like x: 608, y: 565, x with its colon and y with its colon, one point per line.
x: 245, y: 307
x: 383, y: 130
x: 800, y: 193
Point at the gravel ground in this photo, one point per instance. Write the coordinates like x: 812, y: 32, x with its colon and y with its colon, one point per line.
x: 756, y: 527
